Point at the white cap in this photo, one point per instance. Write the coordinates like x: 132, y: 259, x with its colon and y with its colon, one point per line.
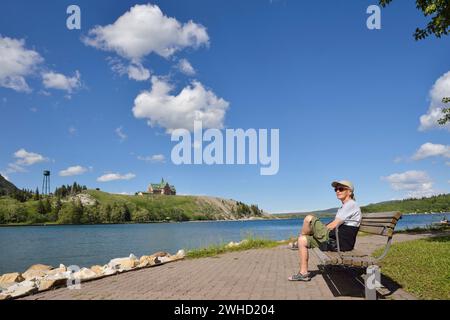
x: 344, y: 183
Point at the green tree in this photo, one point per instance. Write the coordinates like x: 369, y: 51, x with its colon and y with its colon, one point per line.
x: 53, y: 213
x: 40, y: 208
x: 141, y: 215
x: 105, y: 213
x: 438, y: 10
x: 446, y: 112
x: 36, y: 195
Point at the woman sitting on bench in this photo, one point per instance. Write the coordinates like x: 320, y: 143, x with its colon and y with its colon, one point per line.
x: 315, y: 234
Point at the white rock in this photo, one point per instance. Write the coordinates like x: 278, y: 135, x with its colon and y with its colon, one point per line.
x: 85, y: 274
x: 21, y: 289
x: 124, y: 263
x: 109, y: 271
x: 133, y: 257
x: 181, y: 254
x: 165, y: 259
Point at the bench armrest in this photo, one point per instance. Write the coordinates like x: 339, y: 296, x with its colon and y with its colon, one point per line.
x: 337, y: 241
x: 386, y: 249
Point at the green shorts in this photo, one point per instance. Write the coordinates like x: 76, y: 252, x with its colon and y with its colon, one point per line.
x: 319, y: 234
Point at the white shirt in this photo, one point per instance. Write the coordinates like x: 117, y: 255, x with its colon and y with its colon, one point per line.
x: 350, y: 213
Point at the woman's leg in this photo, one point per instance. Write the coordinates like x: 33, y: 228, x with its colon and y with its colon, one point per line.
x: 306, y: 229
x: 303, y: 254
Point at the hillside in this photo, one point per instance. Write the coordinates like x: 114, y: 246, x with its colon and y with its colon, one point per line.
x: 439, y: 203
x: 195, y: 207
x: 6, y: 187
x: 96, y: 207
x: 318, y: 213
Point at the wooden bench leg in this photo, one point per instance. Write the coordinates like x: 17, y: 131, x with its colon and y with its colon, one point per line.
x: 372, y: 282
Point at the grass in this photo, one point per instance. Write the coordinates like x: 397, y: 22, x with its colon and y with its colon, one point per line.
x: 421, y: 267
x: 246, y: 244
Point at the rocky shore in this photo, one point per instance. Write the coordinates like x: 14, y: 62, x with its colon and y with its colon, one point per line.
x: 39, y: 277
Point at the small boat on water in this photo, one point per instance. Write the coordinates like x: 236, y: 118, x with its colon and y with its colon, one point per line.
x: 444, y: 221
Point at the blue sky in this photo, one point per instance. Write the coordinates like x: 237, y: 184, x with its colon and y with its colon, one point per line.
x: 347, y: 100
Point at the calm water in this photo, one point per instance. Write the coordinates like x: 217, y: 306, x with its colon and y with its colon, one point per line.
x: 90, y: 245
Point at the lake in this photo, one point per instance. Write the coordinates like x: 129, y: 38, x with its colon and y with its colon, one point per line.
x: 88, y: 245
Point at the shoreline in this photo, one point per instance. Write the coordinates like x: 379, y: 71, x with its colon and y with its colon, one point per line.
x: 50, y: 224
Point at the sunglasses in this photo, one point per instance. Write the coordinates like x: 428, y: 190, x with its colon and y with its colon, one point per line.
x: 340, y: 189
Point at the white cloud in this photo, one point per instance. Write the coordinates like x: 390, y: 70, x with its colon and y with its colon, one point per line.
x: 154, y: 158
x: 135, y: 71
x: 7, y: 178
x: 44, y: 93
x: 115, y: 176
x: 172, y: 112
x: 138, y: 72
x: 16, y: 63
x: 26, y: 158
x: 398, y: 159
x: 122, y: 136
x: 13, y: 168
x: 448, y: 163
x: 414, y: 183
x: 440, y: 89
x: 432, y: 150
x: 33, y: 109
x: 72, y: 130
x: 185, y: 67
x: 73, y: 171
x: 143, y: 30
x: 53, y: 80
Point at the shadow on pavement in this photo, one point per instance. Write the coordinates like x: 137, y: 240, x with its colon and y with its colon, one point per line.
x: 349, y: 282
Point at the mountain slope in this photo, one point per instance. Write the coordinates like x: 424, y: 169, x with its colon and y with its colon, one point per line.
x: 194, y: 207
x: 6, y: 187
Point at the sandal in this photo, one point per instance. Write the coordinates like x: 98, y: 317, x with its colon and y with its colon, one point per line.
x: 300, y: 277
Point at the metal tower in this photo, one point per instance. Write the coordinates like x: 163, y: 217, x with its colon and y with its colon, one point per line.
x: 46, y: 183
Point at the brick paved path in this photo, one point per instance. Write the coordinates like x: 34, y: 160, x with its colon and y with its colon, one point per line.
x: 253, y: 274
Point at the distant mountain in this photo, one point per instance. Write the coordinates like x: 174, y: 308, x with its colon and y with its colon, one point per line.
x: 6, y: 187
x: 438, y: 203
x: 319, y: 213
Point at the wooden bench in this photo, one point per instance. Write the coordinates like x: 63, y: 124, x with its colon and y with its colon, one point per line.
x: 380, y: 223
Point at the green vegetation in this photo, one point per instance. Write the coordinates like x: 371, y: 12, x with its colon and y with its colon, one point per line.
x: 440, y: 203
x: 6, y: 187
x: 439, y: 10
x: 445, y: 112
x: 76, y: 205
x: 246, y: 244
x: 420, y: 267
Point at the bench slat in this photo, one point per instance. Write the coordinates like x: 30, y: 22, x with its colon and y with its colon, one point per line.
x: 393, y: 214
x: 381, y: 220
x: 377, y: 224
x: 382, y: 231
x: 348, y: 259
x: 324, y: 259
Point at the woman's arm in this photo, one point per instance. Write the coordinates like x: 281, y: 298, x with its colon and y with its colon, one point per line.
x: 334, y: 224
